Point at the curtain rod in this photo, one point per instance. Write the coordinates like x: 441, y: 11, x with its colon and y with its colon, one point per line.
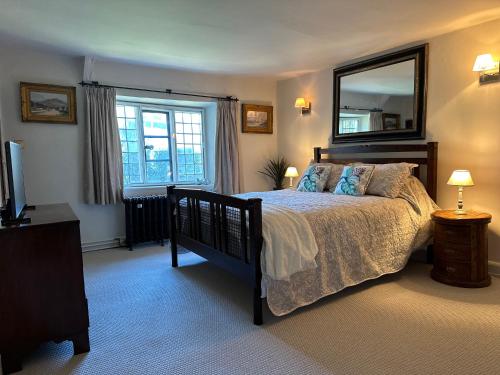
x: 166, y: 91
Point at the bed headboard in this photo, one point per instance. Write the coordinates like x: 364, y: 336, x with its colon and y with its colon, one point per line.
x: 365, y: 154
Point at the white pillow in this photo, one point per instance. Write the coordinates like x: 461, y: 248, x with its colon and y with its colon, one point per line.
x: 388, y: 179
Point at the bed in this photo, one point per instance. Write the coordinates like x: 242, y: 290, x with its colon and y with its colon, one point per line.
x: 358, y: 238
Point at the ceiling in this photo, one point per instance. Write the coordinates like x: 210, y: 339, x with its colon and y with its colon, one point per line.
x: 395, y: 79
x: 257, y: 37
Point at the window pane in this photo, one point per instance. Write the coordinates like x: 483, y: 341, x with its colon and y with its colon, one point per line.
x: 130, y: 111
x: 133, y: 157
x: 196, y: 118
x: 131, y: 123
x: 158, y: 171
x: 120, y: 111
x: 131, y: 135
x: 129, y: 141
x: 155, y: 124
x: 189, y: 139
x: 196, y: 128
x: 156, y: 148
x: 133, y: 147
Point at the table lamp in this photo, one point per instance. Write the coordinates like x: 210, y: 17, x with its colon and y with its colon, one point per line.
x: 291, y: 172
x: 460, y: 178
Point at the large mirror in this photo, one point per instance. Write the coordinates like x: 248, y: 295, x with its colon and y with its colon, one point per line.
x: 381, y: 98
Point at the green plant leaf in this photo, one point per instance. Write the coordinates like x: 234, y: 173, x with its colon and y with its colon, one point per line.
x: 275, y: 169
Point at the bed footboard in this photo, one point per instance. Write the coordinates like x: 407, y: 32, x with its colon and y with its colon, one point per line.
x: 225, y: 230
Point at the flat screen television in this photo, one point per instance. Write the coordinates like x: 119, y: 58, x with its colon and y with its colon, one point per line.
x: 15, y: 180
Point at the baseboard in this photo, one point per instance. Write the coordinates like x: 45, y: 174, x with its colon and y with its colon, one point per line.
x: 494, y: 268
x: 101, y: 245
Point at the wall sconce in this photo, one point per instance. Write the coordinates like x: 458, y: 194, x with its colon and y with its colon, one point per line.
x: 488, y: 69
x: 301, y: 103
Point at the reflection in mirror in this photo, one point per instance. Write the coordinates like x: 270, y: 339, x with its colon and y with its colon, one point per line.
x: 378, y: 100
x: 381, y: 98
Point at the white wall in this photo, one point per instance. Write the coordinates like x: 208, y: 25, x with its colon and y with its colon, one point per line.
x: 53, y: 153
x: 461, y: 115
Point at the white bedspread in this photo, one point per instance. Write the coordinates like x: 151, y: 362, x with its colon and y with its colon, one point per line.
x: 358, y: 238
x: 289, y: 243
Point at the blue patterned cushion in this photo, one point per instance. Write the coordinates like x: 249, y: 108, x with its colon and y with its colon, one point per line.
x: 314, y: 178
x: 354, y: 180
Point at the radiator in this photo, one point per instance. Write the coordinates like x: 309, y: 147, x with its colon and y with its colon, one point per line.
x: 146, y: 219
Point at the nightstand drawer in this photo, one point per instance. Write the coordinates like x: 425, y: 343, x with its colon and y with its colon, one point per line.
x: 454, y: 270
x: 452, y: 251
x: 459, y: 235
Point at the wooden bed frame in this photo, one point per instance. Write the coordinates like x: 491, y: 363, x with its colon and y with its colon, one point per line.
x: 227, y: 231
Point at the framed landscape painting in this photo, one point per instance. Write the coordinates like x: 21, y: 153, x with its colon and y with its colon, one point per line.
x: 257, y: 118
x: 48, y: 103
x: 391, y: 121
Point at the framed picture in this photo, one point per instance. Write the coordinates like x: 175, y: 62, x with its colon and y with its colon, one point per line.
x: 391, y: 121
x: 257, y: 118
x: 48, y: 103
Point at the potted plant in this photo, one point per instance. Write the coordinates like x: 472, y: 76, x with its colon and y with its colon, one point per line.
x: 275, y: 169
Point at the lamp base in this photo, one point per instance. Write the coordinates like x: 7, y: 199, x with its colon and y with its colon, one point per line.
x: 460, y: 212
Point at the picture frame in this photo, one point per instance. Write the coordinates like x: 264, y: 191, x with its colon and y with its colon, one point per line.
x: 48, y: 103
x: 391, y: 121
x: 257, y: 119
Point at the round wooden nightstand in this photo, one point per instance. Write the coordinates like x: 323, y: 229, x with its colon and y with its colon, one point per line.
x: 461, y: 248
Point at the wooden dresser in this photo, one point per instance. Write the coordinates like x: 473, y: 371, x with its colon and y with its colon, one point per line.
x: 461, y: 248
x: 42, y: 295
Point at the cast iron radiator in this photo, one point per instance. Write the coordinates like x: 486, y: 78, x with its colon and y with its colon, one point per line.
x: 146, y: 219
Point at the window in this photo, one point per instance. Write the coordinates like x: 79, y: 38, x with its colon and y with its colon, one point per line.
x: 161, y: 144
x: 349, y: 125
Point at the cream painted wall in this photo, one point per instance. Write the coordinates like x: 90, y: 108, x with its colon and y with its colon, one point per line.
x: 53, y: 153
x: 461, y: 115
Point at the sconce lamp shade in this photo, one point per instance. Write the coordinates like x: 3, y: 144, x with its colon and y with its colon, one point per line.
x: 483, y: 63
x: 461, y: 178
x: 300, y: 103
x: 291, y: 172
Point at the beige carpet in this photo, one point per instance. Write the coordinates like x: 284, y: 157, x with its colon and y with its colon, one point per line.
x: 147, y: 318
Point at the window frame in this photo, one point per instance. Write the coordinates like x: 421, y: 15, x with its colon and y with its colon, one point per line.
x: 172, y: 137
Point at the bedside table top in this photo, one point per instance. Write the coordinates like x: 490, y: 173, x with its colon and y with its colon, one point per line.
x: 469, y: 216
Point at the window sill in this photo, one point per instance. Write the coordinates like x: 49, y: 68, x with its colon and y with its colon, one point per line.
x: 145, y: 190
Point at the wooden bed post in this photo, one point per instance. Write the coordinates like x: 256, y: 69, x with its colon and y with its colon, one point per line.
x: 255, y: 226
x: 317, y: 154
x: 171, y: 204
x: 432, y: 157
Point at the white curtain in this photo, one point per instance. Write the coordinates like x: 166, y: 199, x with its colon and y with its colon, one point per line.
x: 376, y: 121
x: 103, y: 158
x: 227, y: 173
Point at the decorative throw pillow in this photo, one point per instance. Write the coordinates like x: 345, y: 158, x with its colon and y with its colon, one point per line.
x: 388, y: 179
x: 314, y: 178
x: 354, y: 180
x: 335, y: 173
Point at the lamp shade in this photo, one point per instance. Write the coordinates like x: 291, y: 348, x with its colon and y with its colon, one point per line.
x: 300, y: 103
x: 484, y: 62
x: 461, y: 177
x: 291, y: 172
